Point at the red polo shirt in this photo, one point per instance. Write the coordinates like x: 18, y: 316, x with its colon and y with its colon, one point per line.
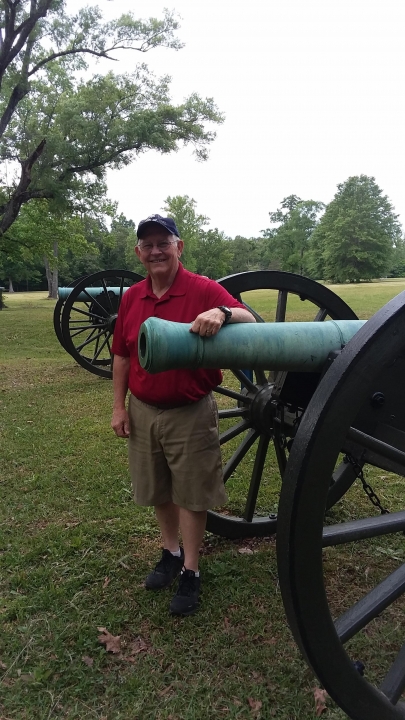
x: 189, y: 295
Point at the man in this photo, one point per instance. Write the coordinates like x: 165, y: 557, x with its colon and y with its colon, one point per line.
x: 172, y: 419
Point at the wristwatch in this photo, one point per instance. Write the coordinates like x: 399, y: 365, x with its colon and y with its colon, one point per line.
x: 227, y: 312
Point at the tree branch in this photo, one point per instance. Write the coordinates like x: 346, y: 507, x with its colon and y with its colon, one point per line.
x: 11, y: 46
x: 99, y: 162
x: 20, y: 194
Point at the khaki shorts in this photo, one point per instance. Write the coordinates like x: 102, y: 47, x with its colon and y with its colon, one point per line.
x: 174, y: 455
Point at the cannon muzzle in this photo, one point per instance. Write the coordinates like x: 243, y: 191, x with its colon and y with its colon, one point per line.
x: 297, y: 346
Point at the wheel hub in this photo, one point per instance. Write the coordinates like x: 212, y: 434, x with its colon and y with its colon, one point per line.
x: 263, y: 409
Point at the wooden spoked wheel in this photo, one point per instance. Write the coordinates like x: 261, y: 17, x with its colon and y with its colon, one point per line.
x: 88, y: 318
x: 260, y: 411
x: 57, y: 313
x: 358, y: 408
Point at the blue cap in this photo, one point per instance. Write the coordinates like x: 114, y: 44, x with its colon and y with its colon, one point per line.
x: 166, y: 222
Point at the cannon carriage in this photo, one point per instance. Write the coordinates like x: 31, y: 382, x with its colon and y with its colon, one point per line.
x: 327, y: 424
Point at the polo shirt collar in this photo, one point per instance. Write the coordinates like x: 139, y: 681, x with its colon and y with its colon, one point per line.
x: 178, y: 287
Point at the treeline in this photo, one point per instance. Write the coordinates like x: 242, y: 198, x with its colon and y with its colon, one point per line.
x: 356, y: 237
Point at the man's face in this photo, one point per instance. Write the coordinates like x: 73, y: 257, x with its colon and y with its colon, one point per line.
x: 159, y: 252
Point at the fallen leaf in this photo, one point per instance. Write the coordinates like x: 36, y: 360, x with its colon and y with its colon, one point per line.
x: 27, y: 677
x: 255, y: 705
x: 112, y: 642
x: 226, y: 623
x: 106, y: 582
x: 320, y: 701
x: 88, y: 660
x: 138, y: 645
x: 8, y: 682
x: 256, y: 675
x: 3, y: 666
x: 168, y: 689
x: 245, y: 551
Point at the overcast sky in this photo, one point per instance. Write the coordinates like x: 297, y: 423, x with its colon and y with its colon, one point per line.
x: 312, y: 92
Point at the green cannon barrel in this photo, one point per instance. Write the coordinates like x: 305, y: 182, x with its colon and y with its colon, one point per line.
x: 90, y: 292
x: 298, y: 346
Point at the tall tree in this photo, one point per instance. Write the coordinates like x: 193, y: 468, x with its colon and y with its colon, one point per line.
x: 214, y: 254
x: 288, y: 242
x: 61, y: 131
x: 190, y: 225
x: 355, y: 238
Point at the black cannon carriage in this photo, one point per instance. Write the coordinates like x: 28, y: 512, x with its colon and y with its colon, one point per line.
x: 326, y: 428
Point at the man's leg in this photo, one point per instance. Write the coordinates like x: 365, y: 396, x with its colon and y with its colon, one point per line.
x: 187, y: 598
x: 171, y: 562
x: 168, y: 519
x: 192, y: 526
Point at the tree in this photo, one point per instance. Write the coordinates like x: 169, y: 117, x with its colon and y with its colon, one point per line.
x: 288, y: 244
x: 246, y: 254
x: 40, y: 233
x: 19, y: 268
x: 397, y: 263
x: 214, y: 254
x: 190, y: 225
x: 354, y: 239
x: 61, y: 131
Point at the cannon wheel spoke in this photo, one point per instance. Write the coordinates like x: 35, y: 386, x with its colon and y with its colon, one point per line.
x: 256, y: 478
x: 254, y: 518
x: 92, y: 308
x: 342, y: 418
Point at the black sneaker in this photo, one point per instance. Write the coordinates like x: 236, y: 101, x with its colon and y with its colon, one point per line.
x: 166, y: 570
x: 186, y: 600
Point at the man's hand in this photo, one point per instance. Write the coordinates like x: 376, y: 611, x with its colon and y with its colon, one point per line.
x: 120, y: 423
x: 208, y: 323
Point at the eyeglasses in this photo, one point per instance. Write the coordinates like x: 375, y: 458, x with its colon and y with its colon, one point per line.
x: 164, y: 245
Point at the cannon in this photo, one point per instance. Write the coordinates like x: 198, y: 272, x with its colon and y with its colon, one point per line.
x: 358, y: 409
x: 255, y: 445
x: 327, y: 424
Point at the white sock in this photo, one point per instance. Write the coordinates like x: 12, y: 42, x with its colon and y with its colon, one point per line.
x: 176, y: 553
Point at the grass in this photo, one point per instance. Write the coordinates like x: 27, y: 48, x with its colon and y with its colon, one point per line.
x: 74, y: 550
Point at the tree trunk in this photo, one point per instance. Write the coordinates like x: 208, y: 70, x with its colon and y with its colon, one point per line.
x: 10, y: 286
x: 20, y: 195
x: 51, y: 270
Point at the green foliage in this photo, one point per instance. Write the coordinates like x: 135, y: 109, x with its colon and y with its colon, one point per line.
x: 287, y: 245
x: 65, y: 130
x: 214, y: 254
x: 246, y: 254
x: 397, y: 265
x: 355, y: 238
x: 36, y: 234
x: 190, y: 225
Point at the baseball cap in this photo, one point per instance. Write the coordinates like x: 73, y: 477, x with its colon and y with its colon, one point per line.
x: 166, y: 222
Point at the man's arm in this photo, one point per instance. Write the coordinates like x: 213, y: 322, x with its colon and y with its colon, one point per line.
x: 120, y: 419
x: 241, y: 315
x: 211, y: 321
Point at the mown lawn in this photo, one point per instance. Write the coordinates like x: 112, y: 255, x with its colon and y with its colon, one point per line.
x: 74, y: 551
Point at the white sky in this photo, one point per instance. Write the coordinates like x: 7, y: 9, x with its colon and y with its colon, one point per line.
x: 312, y: 90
